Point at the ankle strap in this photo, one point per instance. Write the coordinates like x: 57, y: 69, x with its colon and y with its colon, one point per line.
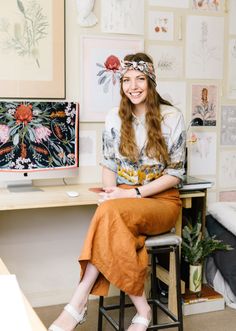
x: 71, y: 310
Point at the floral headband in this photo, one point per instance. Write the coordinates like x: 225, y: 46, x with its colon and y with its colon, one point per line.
x: 146, y: 67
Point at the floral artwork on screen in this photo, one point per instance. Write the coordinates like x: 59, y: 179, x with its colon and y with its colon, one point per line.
x: 204, y: 105
x: 38, y: 135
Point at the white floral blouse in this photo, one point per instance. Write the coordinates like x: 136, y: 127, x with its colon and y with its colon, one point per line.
x: 145, y: 169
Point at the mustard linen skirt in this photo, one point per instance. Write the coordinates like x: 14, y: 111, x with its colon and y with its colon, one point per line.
x: 115, y: 242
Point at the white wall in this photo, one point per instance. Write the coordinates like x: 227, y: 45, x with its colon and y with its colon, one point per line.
x: 41, y: 246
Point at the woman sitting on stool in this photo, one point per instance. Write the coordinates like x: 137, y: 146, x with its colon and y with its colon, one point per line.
x: 143, y: 163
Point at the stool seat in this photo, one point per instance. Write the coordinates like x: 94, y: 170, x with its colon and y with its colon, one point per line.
x: 163, y: 240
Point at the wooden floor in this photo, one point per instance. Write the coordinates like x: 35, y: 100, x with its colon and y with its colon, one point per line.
x: 216, y: 321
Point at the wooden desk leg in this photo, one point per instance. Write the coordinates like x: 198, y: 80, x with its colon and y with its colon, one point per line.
x: 172, y: 297
x: 178, y: 224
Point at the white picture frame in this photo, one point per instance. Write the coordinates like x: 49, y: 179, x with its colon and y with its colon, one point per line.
x: 100, y: 86
x: 168, y: 60
x: 124, y: 17
x: 204, y: 47
x: 170, y: 3
x: 160, y: 25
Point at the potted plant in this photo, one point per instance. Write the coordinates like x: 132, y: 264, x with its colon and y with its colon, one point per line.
x: 195, y: 248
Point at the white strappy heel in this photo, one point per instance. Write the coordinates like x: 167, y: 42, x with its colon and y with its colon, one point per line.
x: 137, y: 319
x: 80, y: 318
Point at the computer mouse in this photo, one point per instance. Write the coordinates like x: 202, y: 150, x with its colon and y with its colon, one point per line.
x: 72, y: 194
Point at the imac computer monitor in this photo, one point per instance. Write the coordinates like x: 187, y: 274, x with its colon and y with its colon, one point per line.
x: 38, y: 140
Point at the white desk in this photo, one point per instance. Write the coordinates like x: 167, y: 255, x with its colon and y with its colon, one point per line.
x: 35, y: 322
x: 55, y: 196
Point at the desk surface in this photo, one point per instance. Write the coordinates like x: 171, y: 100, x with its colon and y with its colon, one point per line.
x: 55, y: 196
x: 35, y: 322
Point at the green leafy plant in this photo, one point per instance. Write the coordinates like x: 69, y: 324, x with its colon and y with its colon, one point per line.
x: 195, y: 247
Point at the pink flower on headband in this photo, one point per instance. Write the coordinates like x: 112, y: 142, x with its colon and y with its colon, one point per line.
x: 109, y: 74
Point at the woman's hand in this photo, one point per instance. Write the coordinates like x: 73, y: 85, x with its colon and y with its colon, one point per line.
x: 114, y: 192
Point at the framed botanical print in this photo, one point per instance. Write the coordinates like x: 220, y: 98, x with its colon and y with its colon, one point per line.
x: 100, y: 82
x: 32, y: 49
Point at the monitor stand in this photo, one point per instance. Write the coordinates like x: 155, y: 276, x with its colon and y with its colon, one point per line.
x: 22, y: 186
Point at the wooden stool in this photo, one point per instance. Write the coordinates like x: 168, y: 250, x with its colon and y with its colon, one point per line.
x: 155, y: 245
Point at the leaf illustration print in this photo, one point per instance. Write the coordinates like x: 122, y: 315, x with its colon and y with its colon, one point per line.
x: 23, y: 37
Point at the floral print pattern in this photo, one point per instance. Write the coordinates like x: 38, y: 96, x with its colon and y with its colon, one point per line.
x: 145, y: 169
x: 38, y: 135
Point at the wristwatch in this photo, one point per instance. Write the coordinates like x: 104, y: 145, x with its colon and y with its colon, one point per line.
x: 138, y: 194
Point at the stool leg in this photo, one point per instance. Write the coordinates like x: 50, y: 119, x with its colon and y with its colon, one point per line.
x: 122, y: 312
x: 154, y: 288
x: 100, y: 315
x: 178, y: 289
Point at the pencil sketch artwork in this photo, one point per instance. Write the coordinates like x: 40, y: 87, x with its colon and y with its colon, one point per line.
x: 161, y: 25
x: 22, y: 33
x: 206, y: 4
x: 122, y: 16
x: 232, y: 69
x: 174, y: 92
x: 229, y: 196
x: 168, y: 60
x: 87, y: 148
x: 170, y: 3
x: 204, y: 105
x: 203, y: 154
x: 204, y: 47
x: 232, y: 15
x: 227, y: 168
x: 228, y: 125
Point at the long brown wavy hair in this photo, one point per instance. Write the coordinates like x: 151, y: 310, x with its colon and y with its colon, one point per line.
x: 156, y: 146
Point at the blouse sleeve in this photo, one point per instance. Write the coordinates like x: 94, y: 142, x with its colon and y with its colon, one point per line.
x: 109, y: 141
x: 176, y: 146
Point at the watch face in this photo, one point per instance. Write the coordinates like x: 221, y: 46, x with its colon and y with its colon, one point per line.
x: 138, y: 194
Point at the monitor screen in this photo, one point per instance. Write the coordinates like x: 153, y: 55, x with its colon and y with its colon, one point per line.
x: 38, y: 139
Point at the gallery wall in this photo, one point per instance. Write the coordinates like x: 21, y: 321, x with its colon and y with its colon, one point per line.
x: 42, y: 248
x: 193, y: 45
